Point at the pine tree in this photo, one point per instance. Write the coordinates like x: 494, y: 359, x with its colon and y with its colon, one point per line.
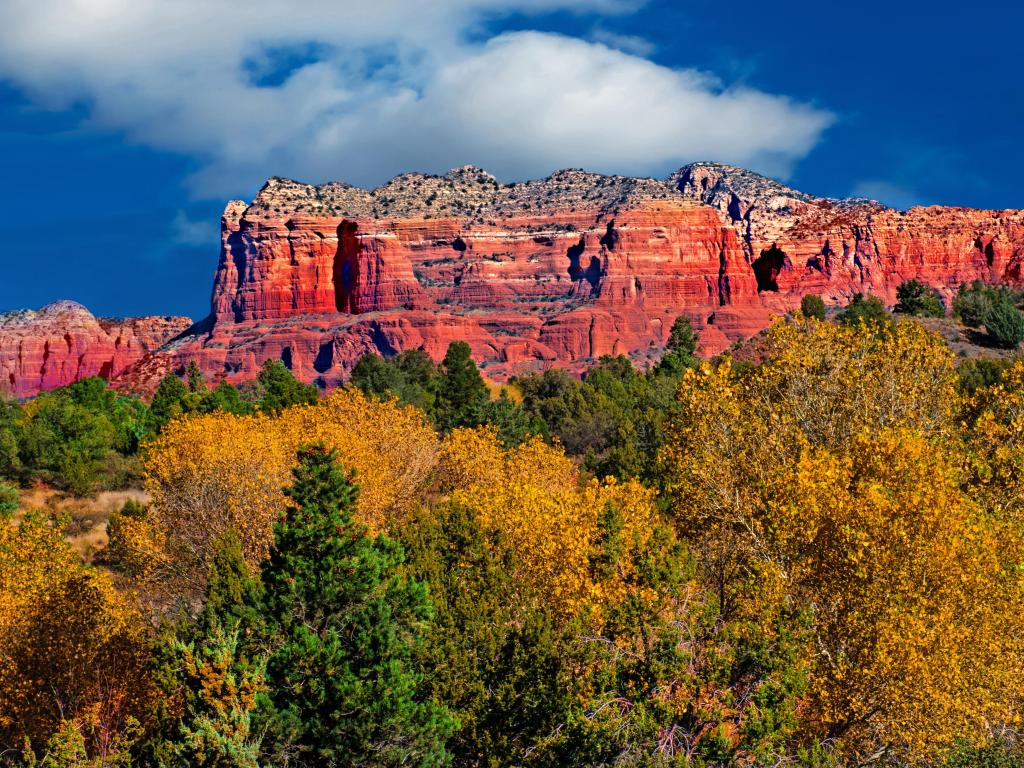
x: 217, y: 675
x: 462, y: 393
x: 232, y: 593
x: 279, y: 389
x: 343, y: 622
x: 171, y: 400
x: 680, y: 349
x: 194, y: 378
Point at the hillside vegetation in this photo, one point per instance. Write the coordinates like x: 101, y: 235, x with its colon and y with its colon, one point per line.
x: 807, y: 553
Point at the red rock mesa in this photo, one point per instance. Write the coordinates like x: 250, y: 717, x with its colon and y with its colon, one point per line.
x: 556, y: 271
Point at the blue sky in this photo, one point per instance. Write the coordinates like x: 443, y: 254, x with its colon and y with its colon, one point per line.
x: 126, y: 124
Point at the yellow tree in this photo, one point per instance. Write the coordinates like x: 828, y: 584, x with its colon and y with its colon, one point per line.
x: 829, y: 478
x: 210, y: 473
x: 548, y: 517
x: 73, y: 651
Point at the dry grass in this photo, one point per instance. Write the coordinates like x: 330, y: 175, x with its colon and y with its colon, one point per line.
x: 85, y: 519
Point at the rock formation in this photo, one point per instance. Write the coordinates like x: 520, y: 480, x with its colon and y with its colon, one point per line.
x: 62, y: 343
x: 560, y: 270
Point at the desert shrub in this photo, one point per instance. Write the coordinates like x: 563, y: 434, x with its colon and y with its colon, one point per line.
x: 1005, y: 324
x: 973, y: 303
x: 812, y: 306
x: 915, y: 298
x: 866, y: 309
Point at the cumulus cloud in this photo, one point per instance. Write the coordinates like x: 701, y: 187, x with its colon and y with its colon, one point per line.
x: 360, y: 91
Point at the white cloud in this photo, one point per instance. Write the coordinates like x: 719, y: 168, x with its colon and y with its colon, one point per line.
x: 188, y: 231
x: 638, y: 46
x: 893, y: 195
x: 392, y: 85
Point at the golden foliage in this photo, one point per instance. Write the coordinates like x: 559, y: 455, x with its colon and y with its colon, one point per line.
x: 210, y: 473
x: 830, y: 478
x: 827, y: 382
x: 532, y: 496
x: 72, y: 649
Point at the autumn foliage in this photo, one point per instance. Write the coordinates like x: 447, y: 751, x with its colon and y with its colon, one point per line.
x: 219, y: 471
x: 534, y: 499
x: 809, y: 555
x: 73, y: 650
x: 838, y: 475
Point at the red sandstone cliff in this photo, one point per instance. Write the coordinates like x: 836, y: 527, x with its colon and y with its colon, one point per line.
x: 560, y: 270
x: 563, y: 270
x: 63, y: 342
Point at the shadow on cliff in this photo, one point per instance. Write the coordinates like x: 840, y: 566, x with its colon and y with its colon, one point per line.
x: 592, y: 273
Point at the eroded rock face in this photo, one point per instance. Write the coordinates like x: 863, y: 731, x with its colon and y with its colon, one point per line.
x: 556, y: 271
x: 560, y: 270
x: 62, y: 343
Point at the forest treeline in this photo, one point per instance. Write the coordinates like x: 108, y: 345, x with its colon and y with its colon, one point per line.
x: 809, y: 554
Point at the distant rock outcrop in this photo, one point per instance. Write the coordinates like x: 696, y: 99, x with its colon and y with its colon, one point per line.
x: 62, y: 343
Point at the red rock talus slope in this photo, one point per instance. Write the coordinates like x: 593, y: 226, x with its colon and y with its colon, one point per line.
x: 63, y: 342
x: 563, y: 270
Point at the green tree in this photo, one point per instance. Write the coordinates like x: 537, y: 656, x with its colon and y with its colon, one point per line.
x: 1005, y: 324
x: 225, y: 397
x: 220, y: 687
x: 973, y: 303
x: 194, y: 379
x: 812, y: 306
x: 515, y: 426
x: 375, y: 376
x: 172, y: 400
x: 277, y: 388
x: 343, y: 622
x: 218, y: 678
x: 127, y: 414
x: 613, y: 419
x: 410, y: 376
x: 461, y: 391
x: 680, y: 350
x: 496, y: 659
x: 976, y: 373
x: 1000, y: 753
x: 232, y: 593
x: 9, y: 501
x: 10, y: 417
x: 419, y: 376
x: 915, y: 298
x: 65, y: 443
x: 868, y: 309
